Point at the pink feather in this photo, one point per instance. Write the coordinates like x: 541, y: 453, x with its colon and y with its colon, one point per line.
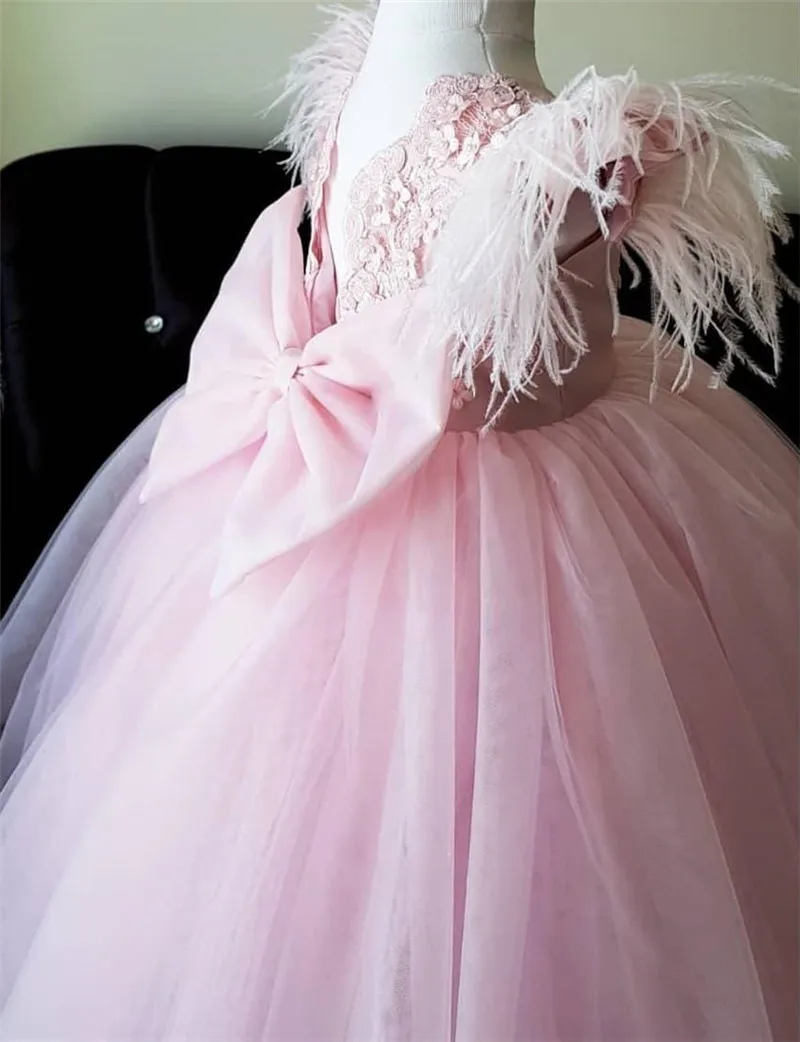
x: 704, y: 211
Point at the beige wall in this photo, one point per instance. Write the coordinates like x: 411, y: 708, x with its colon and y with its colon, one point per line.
x: 165, y: 72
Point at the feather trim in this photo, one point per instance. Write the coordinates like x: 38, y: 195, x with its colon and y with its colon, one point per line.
x: 317, y: 83
x: 701, y: 218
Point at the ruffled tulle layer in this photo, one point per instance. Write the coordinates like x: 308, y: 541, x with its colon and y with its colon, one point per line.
x: 509, y: 755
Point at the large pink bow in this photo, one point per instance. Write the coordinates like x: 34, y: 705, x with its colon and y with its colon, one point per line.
x: 335, y: 416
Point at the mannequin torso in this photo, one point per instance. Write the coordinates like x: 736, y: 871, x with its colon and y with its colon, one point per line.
x: 413, y: 42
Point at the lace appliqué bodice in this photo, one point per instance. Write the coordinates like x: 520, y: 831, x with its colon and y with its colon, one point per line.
x: 402, y: 198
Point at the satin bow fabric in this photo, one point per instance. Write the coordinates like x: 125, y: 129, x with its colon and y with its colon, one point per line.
x: 329, y: 417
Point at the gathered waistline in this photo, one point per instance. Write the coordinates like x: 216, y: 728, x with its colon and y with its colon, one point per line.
x: 552, y: 403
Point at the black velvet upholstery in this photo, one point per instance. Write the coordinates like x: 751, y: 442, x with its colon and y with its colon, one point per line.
x: 94, y: 241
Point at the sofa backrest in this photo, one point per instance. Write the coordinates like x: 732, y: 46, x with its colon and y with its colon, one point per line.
x: 111, y: 257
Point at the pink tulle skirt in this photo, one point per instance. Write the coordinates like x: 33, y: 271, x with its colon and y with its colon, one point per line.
x: 509, y: 755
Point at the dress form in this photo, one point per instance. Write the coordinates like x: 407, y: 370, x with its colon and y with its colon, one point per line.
x: 413, y: 42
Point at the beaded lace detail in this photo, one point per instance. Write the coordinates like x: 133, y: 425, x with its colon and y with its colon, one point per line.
x: 403, y: 196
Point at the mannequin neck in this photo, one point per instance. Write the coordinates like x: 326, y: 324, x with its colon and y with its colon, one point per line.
x: 418, y: 40
x: 492, y: 17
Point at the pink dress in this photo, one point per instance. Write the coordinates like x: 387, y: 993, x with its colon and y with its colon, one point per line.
x: 437, y: 678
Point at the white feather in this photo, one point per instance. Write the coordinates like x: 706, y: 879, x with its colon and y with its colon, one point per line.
x: 701, y: 223
x: 318, y: 80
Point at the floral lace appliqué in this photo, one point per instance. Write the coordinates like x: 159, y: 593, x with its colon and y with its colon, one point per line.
x: 399, y: 202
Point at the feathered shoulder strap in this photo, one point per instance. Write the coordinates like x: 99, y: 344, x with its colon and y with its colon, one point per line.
x: 317, y: 83
x: 674, y: 173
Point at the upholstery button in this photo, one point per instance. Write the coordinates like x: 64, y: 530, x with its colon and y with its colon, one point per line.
x: 154, y: 324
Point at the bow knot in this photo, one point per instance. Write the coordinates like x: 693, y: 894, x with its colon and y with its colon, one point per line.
x: 286, y: 367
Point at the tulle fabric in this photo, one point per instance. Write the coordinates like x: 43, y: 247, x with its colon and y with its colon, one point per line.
x: 37, y: 602
x: 509, y: 755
